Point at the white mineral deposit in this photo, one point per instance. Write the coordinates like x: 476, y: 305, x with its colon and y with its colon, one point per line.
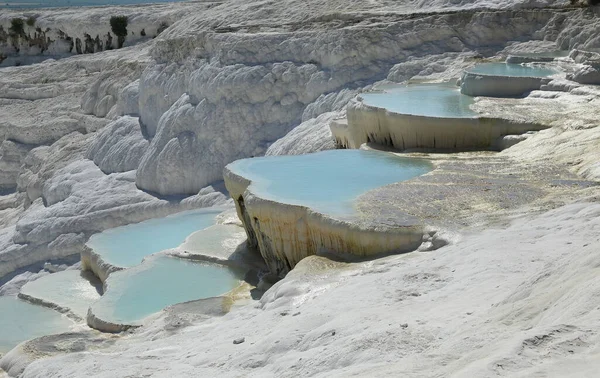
x: 187, y: 188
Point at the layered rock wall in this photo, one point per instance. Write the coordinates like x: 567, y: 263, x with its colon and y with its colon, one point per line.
x: 404, y: 131
x: 56, y: 33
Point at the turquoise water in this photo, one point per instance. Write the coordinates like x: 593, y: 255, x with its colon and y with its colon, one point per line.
x: 217, y: 240
x: 327, y: 181
x: 432, y: 100
x: 69, y: 289
x: 20, y: 321
x: 73, y: 3
x: 135, y: 293
x: 127, y: 246
x: 503, y: 69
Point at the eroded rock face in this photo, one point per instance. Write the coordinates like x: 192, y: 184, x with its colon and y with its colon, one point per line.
x: 310, y: 136
x: 42, y: 162
x: 11, y: 156
x: 52, y: 33
x: 230, y: 112
x: 119, y: 147
x: 586, y: 75
x: 371, y: 124
x: 109, y: 88
x: 180, y: 160
x: 128, y: 101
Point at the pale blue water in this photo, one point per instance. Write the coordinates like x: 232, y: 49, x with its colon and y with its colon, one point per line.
x: 69, y: 288
x: 20, y: 321
x: 135, y: 293
x: 327, y: 181
x: 432, y: 100
x: 127, y: 246
x: 73, y: 3
x: 503, y: 69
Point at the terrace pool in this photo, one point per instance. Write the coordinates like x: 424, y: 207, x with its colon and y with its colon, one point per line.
x: 127, y: 246
x: 68, y: 289
x: 135, y: 293
x: 326, y: 181
x: 514, y: 70
x: 431, y: 100
x: 21, y: 320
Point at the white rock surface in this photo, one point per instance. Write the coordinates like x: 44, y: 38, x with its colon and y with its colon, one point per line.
x: 73, y: 31
x: 524, y: 289
x: 42, y: 162
x: 227, y: 80
x: 119, y: 147
x: 11, y: 156
x: 586, y: 75
x: 310, y: 136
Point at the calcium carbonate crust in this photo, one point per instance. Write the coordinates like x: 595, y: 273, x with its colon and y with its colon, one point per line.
x: 372, y: 124
x: 199, y: 63
x: 285, y: 233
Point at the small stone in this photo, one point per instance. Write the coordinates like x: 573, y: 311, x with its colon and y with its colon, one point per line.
x: 425, y: 247
x: 332, y: 333
x: 239, y: 341
x: 404, y: 325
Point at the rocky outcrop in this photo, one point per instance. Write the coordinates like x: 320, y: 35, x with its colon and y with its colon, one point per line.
x: 586, y: 75
x: 57, y: 33
x: 11, y: 157
x: 119, y: 147
x: 109, y: 89
x: 42, y: 162
x: 310, y: 136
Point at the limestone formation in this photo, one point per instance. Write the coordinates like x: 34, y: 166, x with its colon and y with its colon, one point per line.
x: 285, y: 233
x: 227, y: 80
x: 587, y: 75
x: 11, y: 157
x: 475, y: 84
x: 367, y: 123
x: 119, y: 147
